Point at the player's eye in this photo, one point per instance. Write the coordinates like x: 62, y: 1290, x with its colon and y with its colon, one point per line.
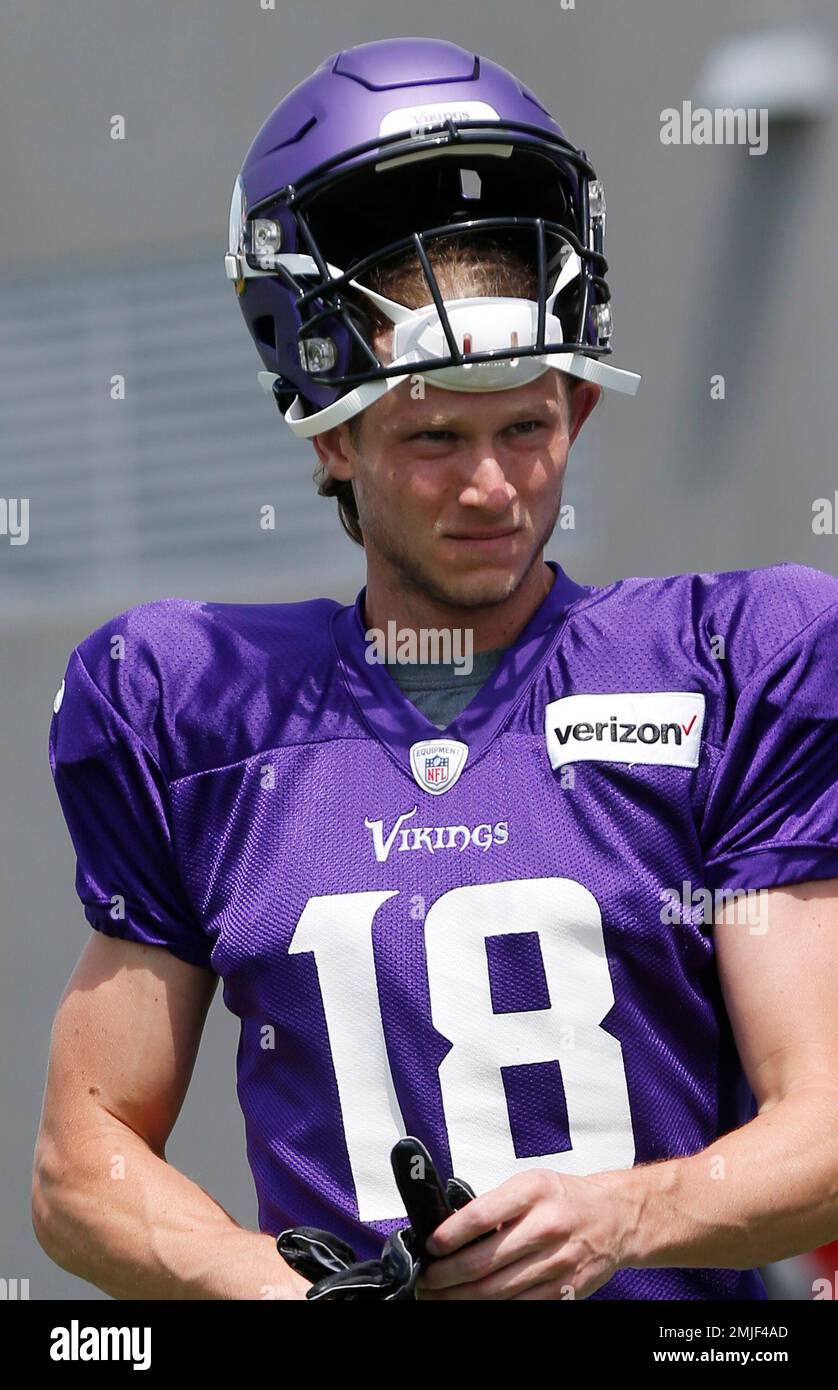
x: 521, y: 427
x: 526, y: 426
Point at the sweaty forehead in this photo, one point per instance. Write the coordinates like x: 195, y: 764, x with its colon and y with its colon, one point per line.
x: 436, y: 408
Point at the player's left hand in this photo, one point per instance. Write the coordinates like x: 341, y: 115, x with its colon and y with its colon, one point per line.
x: 547, y: 1236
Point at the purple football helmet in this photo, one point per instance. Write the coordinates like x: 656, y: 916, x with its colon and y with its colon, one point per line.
x: 388, y: 148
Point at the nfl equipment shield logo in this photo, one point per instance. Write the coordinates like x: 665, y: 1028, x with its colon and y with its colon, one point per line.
x: 437, y: 763
x: 436, y: 770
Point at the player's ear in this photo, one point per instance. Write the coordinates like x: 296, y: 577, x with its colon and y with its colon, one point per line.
x: 335, y: 451
x: 584, y: 395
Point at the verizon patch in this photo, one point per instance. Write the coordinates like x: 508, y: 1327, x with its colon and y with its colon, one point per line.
x: 661, y: 726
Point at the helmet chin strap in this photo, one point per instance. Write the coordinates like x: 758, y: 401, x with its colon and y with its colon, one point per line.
x: 481, y: 324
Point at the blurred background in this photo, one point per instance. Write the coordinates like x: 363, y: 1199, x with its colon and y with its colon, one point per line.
x: 111, y: 261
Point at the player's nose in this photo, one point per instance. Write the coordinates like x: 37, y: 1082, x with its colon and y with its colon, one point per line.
x: 486, y: 484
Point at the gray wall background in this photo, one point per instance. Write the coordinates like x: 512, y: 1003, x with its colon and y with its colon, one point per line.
x: 111, y: 260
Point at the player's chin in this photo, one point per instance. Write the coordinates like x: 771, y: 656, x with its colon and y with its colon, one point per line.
x: 479, y: 572
x: 479, y: 590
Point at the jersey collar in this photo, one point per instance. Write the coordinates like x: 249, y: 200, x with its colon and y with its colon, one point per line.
x: 398, y: 724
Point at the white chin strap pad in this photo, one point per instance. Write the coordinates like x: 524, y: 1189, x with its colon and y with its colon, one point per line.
x: 481, y: 324
x: 478, y: 325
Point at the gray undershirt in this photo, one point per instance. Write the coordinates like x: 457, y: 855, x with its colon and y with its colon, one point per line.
x: 438, y: 691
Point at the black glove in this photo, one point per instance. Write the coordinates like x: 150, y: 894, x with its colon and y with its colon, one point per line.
x: 331, y: 1263
x: 338, y: 1275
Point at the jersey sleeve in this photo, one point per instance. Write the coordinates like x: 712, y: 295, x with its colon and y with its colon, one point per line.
x: 771, y: 814
x: 116, y: 804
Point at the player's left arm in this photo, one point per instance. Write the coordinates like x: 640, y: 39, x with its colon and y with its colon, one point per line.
x: 760, y: 1193
x: 769, y: 1189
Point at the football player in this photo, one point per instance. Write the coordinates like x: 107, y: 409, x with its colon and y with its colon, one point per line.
x: 485, y: 903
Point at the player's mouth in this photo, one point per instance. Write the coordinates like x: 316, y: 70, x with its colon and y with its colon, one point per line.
x: 486, y: 540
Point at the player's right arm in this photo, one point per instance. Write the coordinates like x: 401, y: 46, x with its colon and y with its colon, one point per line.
x: 106, y: 1205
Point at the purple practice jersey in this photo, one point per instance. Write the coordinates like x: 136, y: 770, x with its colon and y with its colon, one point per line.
x: 494, y: 937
